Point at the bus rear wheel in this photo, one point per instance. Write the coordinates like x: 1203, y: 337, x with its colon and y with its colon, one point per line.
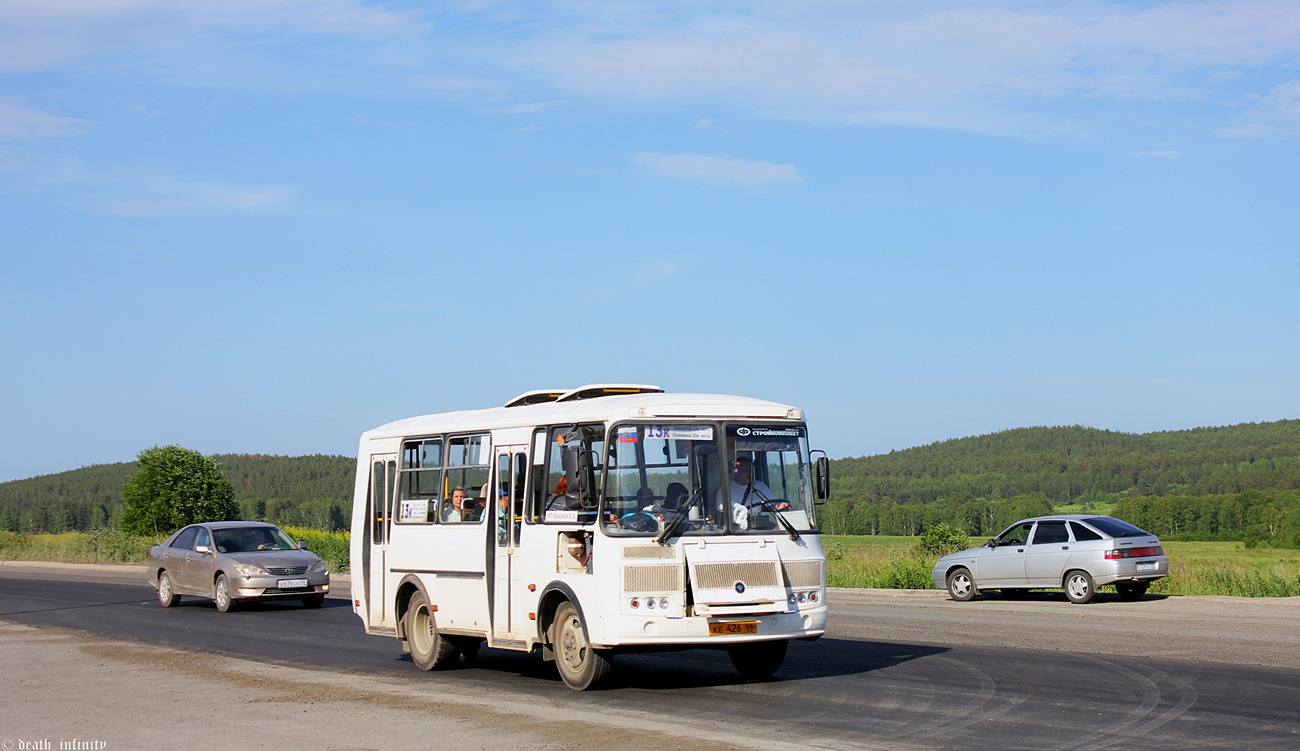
x: 429, y: 649
x: 758, y: 659
x: 580, y: 665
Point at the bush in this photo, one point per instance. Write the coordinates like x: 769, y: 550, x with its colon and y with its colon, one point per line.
x: 939, y: 540
x: 332, y: 547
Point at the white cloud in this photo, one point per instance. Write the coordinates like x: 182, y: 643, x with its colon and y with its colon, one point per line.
x: 209, y: 41
x: 138, y: 191
x: 717, y: 169
x: 162, y: 196
x: 1009, y: 67
x: 409, y: 305
x: 972, y: 66
x: 522, y: 109
x: 19, y: 123
x: 639, y: 278
x: 1272, y: 115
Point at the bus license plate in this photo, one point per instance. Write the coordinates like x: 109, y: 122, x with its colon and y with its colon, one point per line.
x: 291, y: 583
x: 739, y: 627
x: 1151, y: 566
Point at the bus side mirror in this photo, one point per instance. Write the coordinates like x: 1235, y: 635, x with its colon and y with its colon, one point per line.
x: 570, y: 459
x: 822, y: 476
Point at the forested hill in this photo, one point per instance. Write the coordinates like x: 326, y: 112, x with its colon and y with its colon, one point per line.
x: 1069, y: 464
x: 1218, y: 483
x: 306, y: 490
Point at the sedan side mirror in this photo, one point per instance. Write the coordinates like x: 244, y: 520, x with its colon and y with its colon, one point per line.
x: 204, y: 549
x: 991, y: 543
x: 302, y: 544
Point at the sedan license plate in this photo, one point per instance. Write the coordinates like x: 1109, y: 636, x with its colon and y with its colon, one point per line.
x: 735, y: 627
x: 1147, y: 566
x: 291, y: 583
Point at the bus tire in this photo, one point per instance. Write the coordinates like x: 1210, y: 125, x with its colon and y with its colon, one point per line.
x: 429, y: 649
x: 581, y: 666
x: 757, y: 660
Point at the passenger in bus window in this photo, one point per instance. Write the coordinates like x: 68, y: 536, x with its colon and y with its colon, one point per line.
x: 453, y: 511
x: 750, y: 492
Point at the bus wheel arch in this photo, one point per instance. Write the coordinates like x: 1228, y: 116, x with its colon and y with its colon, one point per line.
x: 553, y: 596
x: 406, y: 589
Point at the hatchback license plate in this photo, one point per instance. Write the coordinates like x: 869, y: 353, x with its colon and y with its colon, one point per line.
x: 291, y: 583
x: 737, y: 627
x: 1148, y: 566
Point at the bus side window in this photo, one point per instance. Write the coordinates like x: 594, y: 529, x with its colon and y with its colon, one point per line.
x: 537, y: 479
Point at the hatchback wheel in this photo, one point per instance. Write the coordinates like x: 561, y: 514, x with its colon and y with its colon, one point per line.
x: 1079, y: 587
x: 961, y: 587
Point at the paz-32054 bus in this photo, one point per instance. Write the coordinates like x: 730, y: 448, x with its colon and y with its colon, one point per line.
x: 584, y: 522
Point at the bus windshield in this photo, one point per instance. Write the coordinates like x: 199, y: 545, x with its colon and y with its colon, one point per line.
x: 707, y: 479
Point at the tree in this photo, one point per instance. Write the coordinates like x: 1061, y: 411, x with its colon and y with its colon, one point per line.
x: 175, y: 486
x: 939, y: 540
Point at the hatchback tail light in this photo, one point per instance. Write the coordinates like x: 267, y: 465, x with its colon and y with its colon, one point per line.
x: 1118, y: 553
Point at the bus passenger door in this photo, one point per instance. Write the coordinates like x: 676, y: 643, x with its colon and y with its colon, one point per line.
x: 379, y: 502
x: 508, y: 493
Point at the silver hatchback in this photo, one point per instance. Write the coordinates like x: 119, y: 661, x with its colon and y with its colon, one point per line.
x: 1078, y: 553
x: 232, y: 561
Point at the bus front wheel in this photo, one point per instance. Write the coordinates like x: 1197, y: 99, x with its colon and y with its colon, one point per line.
x: 580, y: 665
x: 756, y: 660
x: 429, y: 649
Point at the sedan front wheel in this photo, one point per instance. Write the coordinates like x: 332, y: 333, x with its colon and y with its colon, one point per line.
x: 226, y: 601
x: 961, y: 587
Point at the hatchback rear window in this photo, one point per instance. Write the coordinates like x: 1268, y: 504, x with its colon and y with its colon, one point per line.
x: 1115, y: 527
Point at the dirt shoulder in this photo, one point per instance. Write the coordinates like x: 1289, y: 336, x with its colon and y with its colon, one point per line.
x: 64, y: 686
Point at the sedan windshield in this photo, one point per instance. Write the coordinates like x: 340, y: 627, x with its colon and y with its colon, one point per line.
x: 245, y: 539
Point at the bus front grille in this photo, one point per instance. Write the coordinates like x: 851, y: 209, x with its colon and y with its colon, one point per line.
x: 725, y: 575
x: 658, y: 579
x: 801, y: 574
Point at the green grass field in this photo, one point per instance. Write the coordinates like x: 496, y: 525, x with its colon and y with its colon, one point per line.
x: 1195, y: 568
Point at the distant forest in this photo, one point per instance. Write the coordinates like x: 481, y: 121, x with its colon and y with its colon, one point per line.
x: 305, y: 491
x: 1231, y: 483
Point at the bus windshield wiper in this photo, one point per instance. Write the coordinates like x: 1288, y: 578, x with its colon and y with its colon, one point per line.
x: 767, y: 506
x: 682, y: 513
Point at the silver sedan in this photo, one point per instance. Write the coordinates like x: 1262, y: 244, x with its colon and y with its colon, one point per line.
x: 1077, y: 553
x: 232, y: 561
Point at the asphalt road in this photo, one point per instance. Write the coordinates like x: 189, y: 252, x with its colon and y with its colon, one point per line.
x: 945, y: 685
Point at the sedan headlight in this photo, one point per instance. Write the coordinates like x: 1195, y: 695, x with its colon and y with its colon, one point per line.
x: 249, y: 569
x: 319, y: 567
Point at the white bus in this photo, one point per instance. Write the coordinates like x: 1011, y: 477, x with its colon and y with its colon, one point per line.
x: 584, y: 522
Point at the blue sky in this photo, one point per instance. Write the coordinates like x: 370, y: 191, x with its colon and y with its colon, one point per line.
x: 263, y: 226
